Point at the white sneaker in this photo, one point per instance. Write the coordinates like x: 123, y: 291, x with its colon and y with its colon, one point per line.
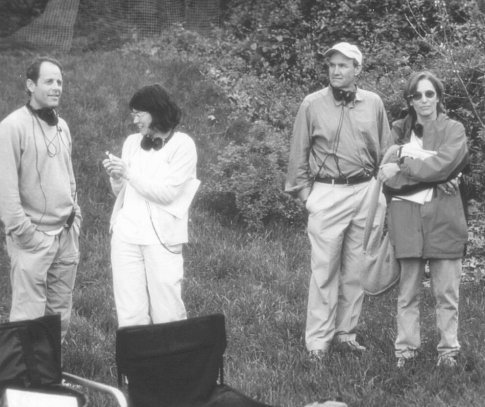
x: 352, y: 346
x: 317, y: 355
x: 447, y: 360
x: 402, y: 362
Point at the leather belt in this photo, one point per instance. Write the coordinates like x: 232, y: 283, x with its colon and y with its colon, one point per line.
x: 358, y: 179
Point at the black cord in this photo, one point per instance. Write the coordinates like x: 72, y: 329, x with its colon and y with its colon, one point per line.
x: 58, y: 134
x: 49, y: 142
x: 337, y: 141
x: 334, y: 149
x: 155, y: 230
x: 38, y: 172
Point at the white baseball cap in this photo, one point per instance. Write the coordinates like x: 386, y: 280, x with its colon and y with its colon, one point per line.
x: 346, y: 49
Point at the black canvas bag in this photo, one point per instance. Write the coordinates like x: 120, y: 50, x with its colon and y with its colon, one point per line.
x: 177, y: 364
x: 31, y: 352
x: 30, y: 357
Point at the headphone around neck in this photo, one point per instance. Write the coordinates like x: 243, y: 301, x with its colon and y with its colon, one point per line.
x: 47, y: 114
x: 147, y: 142
x: 345, y: 96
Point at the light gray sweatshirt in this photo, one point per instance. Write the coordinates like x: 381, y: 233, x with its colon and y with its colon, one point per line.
x: 37, y: 185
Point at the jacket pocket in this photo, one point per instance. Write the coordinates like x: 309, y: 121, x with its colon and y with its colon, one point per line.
x: 446, y: 228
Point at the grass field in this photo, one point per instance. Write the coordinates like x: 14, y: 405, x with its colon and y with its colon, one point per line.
x: 257, y: 279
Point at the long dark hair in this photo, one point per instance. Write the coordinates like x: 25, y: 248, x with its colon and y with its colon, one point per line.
x: 412, y: 85
x: 155, y: 100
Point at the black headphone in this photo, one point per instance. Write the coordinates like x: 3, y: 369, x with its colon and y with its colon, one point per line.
x: 156, y: 143
x: 148, y: 143
x: 346, y: 96
x: 47, y: 114
x: 418, y: 130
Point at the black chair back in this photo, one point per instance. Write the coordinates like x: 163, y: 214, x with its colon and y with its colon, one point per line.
x: 175, y: 364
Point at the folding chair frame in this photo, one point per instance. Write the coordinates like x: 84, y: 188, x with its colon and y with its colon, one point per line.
x: 118, y: 395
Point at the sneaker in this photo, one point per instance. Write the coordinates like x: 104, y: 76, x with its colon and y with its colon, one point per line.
x: 447, y: 361
x: 351, y: 346
x: 402, y: 362
x: 317, y: 355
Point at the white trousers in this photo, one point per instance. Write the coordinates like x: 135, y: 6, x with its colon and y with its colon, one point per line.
x: 445, y: 285
x: 42, y: 276
x: 336, y: 229
x: 147, y: 283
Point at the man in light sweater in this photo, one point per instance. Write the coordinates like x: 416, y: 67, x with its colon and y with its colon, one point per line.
x: 38, y: 200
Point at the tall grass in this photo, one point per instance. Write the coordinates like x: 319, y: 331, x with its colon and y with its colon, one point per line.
x: 258, y: 280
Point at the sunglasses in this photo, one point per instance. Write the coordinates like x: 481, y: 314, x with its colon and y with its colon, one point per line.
x: 430, y: 94
x: 137, y: 115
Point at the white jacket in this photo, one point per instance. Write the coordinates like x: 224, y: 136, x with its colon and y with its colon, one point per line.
x: 168, y: 190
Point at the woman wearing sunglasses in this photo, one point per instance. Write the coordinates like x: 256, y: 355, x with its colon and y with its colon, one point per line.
x: 427, y: 222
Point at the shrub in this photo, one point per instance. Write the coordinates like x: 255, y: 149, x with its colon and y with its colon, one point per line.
x: 249, y: 177
x: 459, y: 59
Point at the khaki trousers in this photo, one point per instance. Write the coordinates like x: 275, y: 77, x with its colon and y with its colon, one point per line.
x: 445, y: 285
x: 147, y: 283
x: 336, y: 228
x: 42, y: 275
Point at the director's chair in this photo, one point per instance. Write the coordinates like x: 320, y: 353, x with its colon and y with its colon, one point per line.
x: 30, y: 368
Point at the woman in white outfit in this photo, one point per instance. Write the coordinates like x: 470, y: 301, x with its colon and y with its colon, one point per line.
x: 154, y: 182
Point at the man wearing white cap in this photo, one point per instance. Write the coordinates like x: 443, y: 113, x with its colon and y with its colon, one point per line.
x: 339, y: 137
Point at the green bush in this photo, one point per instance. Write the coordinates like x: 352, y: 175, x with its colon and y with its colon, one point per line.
x: 247, y: 179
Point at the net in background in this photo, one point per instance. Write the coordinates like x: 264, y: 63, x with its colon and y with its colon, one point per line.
x: 202, y: 15
x: 153, y: 16
x: 94, y: 24
x: 52, y: 29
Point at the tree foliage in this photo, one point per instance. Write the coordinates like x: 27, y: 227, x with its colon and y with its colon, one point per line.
x: 285, y: 40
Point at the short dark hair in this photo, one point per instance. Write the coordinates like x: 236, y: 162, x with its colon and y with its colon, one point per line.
x: 412, y: 85
x: 155, y: 100
x: 33, y: 69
